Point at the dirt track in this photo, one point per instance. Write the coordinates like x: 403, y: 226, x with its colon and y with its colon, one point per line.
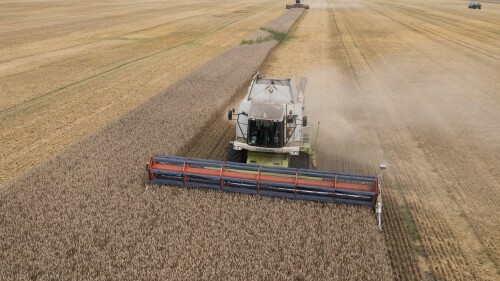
x: 415, y: 84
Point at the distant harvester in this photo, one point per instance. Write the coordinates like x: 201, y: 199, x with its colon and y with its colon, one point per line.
x: 297, y: 4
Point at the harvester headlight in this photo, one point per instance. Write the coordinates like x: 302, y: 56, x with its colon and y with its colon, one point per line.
x: 237, y: 147
x: 294, y: 152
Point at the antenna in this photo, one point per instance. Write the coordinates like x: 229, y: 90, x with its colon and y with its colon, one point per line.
x: 317, y: 132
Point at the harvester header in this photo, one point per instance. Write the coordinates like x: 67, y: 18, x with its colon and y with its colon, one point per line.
x: 289, y: 183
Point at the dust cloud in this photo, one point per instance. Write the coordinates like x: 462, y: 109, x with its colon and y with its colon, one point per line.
x: 340, y: 106
x: 326, y: 95
x: 358, y: 111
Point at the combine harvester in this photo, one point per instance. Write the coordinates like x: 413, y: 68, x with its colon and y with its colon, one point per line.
x: 297, y: 4
x: 271, y: 155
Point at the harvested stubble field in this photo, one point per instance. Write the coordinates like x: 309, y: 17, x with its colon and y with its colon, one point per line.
x: 69, y: 67
x: 412, y: 83
x: 84, y: 212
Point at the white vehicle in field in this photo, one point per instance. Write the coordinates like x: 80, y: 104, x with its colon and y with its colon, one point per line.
x: 474, y: 5
x: 271, y: 155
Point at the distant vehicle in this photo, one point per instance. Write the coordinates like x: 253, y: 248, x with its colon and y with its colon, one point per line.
x: 297, y: 4
x: 474, y: 5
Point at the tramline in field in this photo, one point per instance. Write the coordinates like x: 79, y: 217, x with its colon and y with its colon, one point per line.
x: 271, y: 155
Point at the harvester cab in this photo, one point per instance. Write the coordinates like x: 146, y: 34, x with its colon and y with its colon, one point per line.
x: 271, y: 128
x: 297, y: 4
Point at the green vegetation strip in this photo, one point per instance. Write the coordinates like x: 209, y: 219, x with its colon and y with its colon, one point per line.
x: 273, y: 35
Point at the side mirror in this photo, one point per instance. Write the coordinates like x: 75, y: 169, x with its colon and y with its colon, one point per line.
x: 304, y: 121
x: 230, y: 115
x: 289, y: 119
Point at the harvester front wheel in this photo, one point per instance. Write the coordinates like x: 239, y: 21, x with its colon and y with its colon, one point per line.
x: 235, y: 155
x: 301, y: 161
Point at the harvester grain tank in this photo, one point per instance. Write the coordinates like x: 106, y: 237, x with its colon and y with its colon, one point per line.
x: 271, y: 155
x: 297, y: 4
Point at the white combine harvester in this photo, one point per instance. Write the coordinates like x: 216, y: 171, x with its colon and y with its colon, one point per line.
x: 271, y: 155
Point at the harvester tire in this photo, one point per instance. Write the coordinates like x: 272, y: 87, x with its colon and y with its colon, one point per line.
x: 301, y: 161
x: 232, y: 155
